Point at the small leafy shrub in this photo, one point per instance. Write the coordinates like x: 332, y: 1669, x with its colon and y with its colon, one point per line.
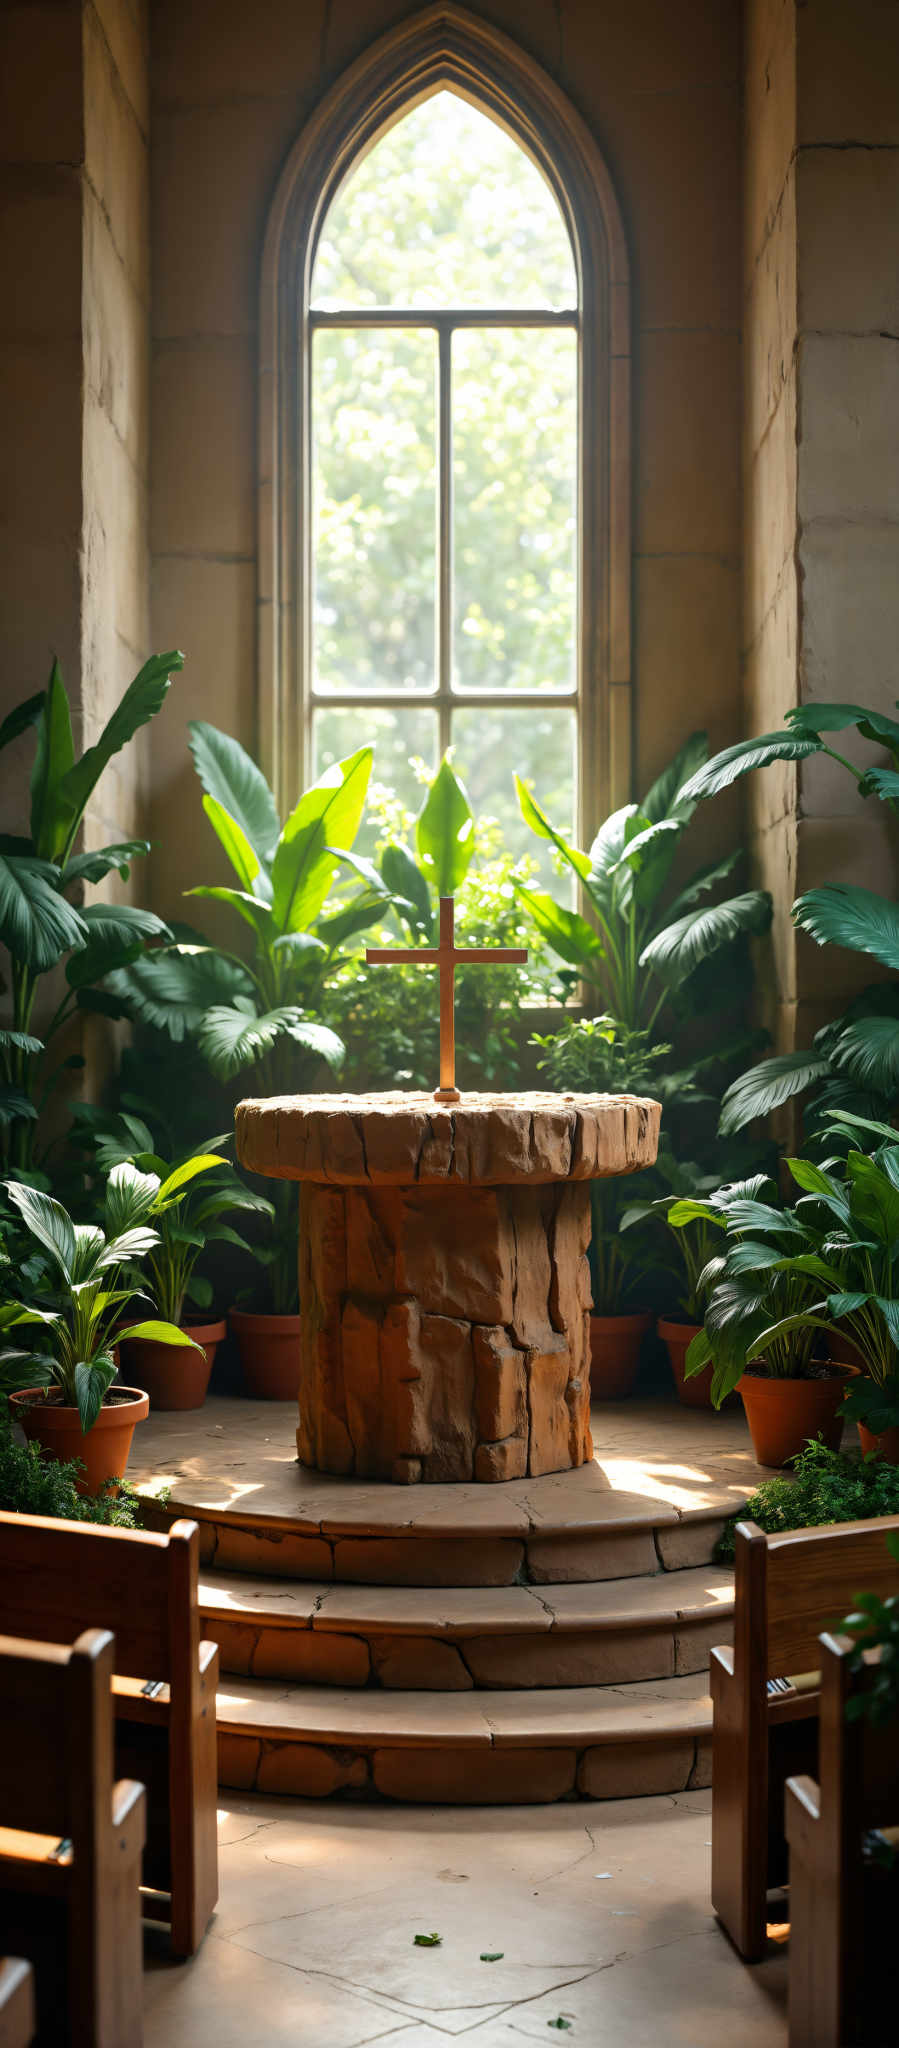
x: 828, y: 1486
x: 32, y: 1484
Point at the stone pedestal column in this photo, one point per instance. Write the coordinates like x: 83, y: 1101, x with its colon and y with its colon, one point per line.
x: 444, y: 1285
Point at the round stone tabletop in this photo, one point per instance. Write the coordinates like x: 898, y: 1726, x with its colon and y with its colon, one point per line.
x: 396, y: 1140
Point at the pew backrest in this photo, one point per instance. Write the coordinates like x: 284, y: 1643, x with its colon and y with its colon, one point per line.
x: 792, y: 1587
x: 57, y: 1578
x: 56, y: 1739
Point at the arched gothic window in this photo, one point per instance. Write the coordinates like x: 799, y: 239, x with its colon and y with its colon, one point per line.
x: 444, y: 463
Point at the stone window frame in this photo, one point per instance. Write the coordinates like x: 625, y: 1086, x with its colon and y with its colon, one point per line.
x: 444, y: 46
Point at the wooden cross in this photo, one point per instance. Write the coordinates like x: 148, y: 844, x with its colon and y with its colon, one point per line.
x: 446, y: 956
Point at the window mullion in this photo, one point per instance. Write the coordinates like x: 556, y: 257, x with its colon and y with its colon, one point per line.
x: 444, y: 534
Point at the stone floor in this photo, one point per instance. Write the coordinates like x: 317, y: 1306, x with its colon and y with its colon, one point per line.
x: 598, y: 1919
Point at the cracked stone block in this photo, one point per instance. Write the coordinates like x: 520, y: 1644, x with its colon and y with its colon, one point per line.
x: 568, y: 1560
x: 305, y: 1771
x: 628, y: 1770
x: 309, y: 1657
x: 565, y: 1657
x: 444, y: 1287
x: 238, y: 1760
x: 277, y: 1553
x: 443, y: 1561
x: 688, y: 1543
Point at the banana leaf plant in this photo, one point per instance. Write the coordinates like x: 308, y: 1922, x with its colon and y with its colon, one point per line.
x: 92, y: 1280
x: 256, y: 1009
x: 682, y: 1247
x: 444, y: 843
x: 852, y: 1064
x: 42, y: 926
x: 754, y: 1295
x: 652, y: 954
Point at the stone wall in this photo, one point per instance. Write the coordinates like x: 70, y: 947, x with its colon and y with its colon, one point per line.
x: 660, y: 88
x: 821, y: 310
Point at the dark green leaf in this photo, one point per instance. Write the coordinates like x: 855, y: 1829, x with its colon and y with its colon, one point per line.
x: 677, y: 950
x: 53, y: 760
x: 403, y: 877
x: 493, y: 1956
x: 91, y: 1383
x: 661, y: 801
x: 24, y: 715
x: 428, y: 1940
x: 840, y: 915
x: 173, y: 989
x: 91, y: 867
x: 767, y: 1086
x: 726, y: 767
x: 869, y: 1051
x: 141, y: 701
x: 36, y: 922
x: 568, y: 933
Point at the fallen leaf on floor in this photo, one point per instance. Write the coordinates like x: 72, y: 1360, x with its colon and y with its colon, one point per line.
x: 497, y: 1958
x: 428, y: 1940
x: 563, y: 2025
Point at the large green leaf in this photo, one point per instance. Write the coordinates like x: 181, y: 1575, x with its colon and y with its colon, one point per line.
x: 444, y: 832
x: 53, y: 759
x: 662, y: 800
x: 36, y: 922
x: 48, y: 1221
x: 232, y: 779
x: 257, y: 915
x: 840, y: 915
x: 649, y: 855
x: 606, y: 852
x: 675, y: 951
x: 14, y: 1107
x: 125, y: 923
x: 91, y: 1383
x: 705, y: 879
x: 130, y: 1197
x: 868, y: 1050
x: 327, y: 816
x: 189, y: 1170
x: 404, y: 878
x: 810, y: 719
x: 242, y: 855
x: 18, y: 720
x: 881, y: 782
x: 540, y: 824
x: 874, y: 1201
x: 568, y: 933
x: 172, y: 990
x: 727, y: 767
x: 141, y: 701
x: 92, y: 867
x: 157, y: 1332
x: 769, y: 1085
x: 232, y: 1038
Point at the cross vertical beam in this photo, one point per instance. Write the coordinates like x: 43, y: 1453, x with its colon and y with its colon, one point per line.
x: 446, y: 955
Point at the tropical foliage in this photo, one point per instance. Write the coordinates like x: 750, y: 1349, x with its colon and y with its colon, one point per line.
x: 824, y: 1486
x: 42, y: 925
x: 853, y: 1063
x: 32, y: 1483
x: 79, y: 1315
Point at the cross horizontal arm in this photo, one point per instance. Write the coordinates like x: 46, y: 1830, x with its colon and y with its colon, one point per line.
x: 504, y: 955
x: 392, y: 956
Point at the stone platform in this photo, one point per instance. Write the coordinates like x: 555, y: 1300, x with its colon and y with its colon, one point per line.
x: 459, y: 1643
x: 444, y: 1286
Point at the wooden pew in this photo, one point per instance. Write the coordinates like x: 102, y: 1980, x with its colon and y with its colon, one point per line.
x: 842, y: 1905
x: 70, y: 1841
x: 788, y: 1588
x: 17, y: 2015
x: 58, y: 1577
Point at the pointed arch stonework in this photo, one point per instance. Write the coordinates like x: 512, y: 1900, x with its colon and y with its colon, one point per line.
x: 446, y: 47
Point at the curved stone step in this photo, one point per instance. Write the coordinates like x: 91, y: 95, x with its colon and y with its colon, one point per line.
x: 662, y: 1481
x: 474, y: 1748
x: 413, y: 1638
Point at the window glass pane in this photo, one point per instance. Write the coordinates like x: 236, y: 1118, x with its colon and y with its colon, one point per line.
x: 374, y: 500
x: 444, y: 210
x: 397, y: 734
x: 515, y: 508
x: 492, y: 745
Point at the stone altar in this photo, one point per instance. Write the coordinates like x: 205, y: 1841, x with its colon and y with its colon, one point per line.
x: 444, y: 1284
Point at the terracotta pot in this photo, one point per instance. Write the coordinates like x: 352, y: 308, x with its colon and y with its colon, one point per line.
x: 784, y: 1414
x: 615, y: 1354
x: 269, y: 1349
x: 172, y: 1376
x: 103, y: 1451
x: 886, y: 1444
x: 695, y: 1392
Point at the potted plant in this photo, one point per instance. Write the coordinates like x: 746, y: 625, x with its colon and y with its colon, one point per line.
x: 759, y: 1326
x: 854, y: 1266
x: 690, y: 1244
x: 188, y: 1218
x: 67, y: 1398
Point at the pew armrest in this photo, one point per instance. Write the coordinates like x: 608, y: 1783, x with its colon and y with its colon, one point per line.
x: 802, y: 1814
x: 129, y: 1816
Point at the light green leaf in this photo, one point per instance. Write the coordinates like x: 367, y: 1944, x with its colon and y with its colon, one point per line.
x: 130, y: 1197
x: 327, y: 815
x: 36, y: 922
x: 403, y: 877
x: 233, y: 780
x: 243, y: 857
x: 444, y: 832
x: 155, y: 1332
x: 92, y: 867
x: 141, y: 701
x: 364, y: 911
x: 840, y: 915
x: 568, y: 933
x: 606, y: 852
x: 539, y: 823
x: 48, y: 1221
x: 181, y: 1176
